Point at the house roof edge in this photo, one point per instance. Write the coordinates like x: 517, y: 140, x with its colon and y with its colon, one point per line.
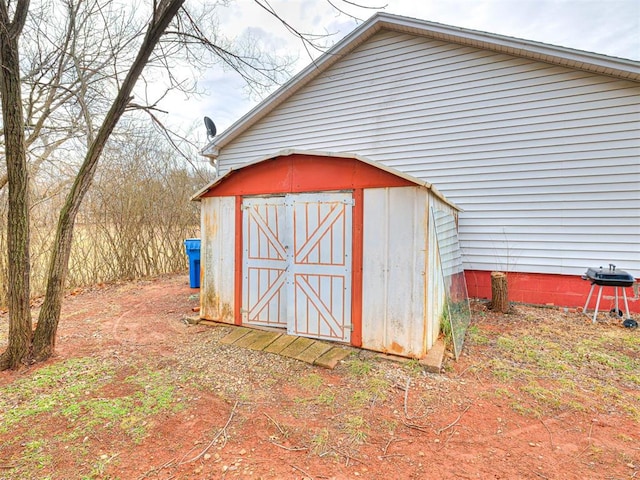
x: 568, y: 57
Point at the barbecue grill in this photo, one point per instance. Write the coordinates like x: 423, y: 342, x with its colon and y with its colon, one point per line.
x: 608, y: 278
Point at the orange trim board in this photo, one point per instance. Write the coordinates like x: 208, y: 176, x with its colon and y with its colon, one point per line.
x: 569, y: 291
x: 304, y: 173
x: 356, y: 267
x: 238, y: 260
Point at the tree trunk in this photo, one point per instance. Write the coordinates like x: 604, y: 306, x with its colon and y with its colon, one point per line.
x: 18, y: 289
x: 45, y: 334
x: 499, y: 292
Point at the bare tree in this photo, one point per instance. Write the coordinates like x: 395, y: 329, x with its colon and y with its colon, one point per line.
x: 69, y: 103
x: 18, y: 295
x: 64, y: 71
x: 45, y: 334
x: 21, y: 345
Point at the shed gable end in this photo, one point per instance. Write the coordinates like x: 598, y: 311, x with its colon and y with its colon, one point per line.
x: 304, y: 173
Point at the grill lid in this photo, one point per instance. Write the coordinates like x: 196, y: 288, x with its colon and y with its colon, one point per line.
x: 609, y: 277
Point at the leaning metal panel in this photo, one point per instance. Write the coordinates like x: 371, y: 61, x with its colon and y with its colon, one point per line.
x: 457, y: 312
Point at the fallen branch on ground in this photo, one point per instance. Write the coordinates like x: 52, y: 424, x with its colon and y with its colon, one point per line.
x: 452, y: 424
x: 302, y: 471
x: 291, y: 449
x: 420, y: 428
x: 223, y: 430
x: 406, y: 398
x: 156, y: 470
x: 280, y: 429
x: 588, y: 441
x: 391, y: 440
x: 347, y: 456
x: 548, y: 431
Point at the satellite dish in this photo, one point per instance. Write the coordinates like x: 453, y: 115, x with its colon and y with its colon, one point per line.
x: 211, y: 127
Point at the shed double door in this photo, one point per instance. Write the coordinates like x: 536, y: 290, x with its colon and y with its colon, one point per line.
x: 297, y: 263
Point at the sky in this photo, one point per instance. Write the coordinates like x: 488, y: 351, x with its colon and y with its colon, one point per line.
x: 609, y: 27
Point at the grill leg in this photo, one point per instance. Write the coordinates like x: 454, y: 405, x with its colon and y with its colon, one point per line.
x: 626, y: 305
x: 616, y: 301
x: 595, y: 314
x: 584, y: 310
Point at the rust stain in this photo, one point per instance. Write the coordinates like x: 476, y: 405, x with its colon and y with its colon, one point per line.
x: 226, y: 313
x: 396, y: 348
x: 209, y: 302
x: 213, y: 308
x: 210, y: 218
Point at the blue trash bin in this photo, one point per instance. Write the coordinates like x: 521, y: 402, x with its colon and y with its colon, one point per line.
x: 192, y: 247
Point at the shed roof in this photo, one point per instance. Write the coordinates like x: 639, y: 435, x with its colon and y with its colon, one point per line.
x: 567, y: 57
x: 290, y: 151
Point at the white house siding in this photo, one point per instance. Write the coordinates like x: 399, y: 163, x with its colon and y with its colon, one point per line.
x: 217, y: 258
x: 543, y: 159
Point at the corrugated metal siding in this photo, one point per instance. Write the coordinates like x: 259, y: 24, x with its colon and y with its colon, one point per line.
x: 217, y: 293
x: 542, y: 158
x: 394, y: 310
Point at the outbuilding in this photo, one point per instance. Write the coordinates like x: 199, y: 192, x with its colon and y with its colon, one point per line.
x: 325, y: 245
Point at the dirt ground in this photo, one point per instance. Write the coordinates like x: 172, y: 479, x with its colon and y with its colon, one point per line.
x: 505, y: 410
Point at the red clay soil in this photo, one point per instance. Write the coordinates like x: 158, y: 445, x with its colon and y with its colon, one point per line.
x: 253, y: 415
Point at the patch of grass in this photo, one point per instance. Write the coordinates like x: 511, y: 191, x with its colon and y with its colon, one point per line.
x: 35, y: 454
x: 356, y: 427
x: 360, y: 398
x: 71, y: 390
x: 359, y: 367
x: 503, y: 393
x: 475, y: 335
x: 631, y: 341
x: 576, y: 405
x: 507, y: 371
x: 607, y: 360
x: 542, y: 395
x: 320, y: 442
x: 525, y: 410
x: 151, y: 395
x: 378, y: 387
x: 390, y: 426
x: 326, y: 397
x: 312, y: 381
x: 625, y: 438
x: 53, y: 387
x: 559, y: 366
x: 413, y: 367
x: 633, y: 378
x: 445, y: 326
x: 610, y: 392
x: 567, y: 384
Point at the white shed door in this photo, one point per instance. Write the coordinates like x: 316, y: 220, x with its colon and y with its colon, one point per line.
x: 297, y: 263
x: 264, y: 262
x: 319, y: 276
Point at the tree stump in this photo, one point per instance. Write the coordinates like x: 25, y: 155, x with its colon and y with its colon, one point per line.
x: 499, y: 292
